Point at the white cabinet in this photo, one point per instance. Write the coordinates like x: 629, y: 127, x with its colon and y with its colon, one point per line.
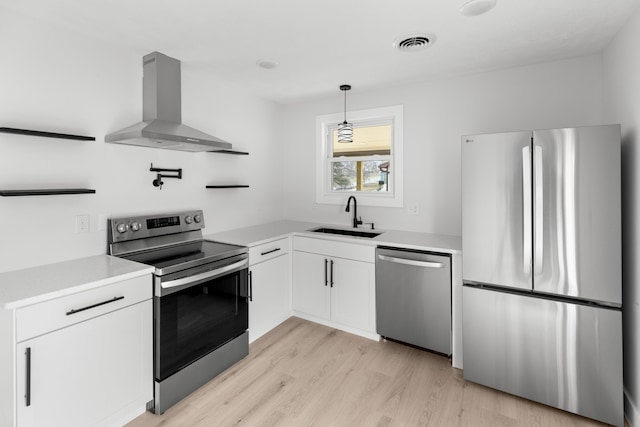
x: 85, y: 359
x: 270, y: 286
x: 334, y: 284
x: 311, y: 291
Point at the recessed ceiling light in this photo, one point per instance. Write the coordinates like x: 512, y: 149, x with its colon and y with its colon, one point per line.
x: 414, y: 42
x: 267, y: 65
x: 477, y: 7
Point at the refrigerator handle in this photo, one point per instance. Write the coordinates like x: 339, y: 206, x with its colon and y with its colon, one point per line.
x: 538, y: 211
x: 526, y: 210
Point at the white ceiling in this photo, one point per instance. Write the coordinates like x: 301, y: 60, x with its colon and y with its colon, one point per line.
x: 322, y: 44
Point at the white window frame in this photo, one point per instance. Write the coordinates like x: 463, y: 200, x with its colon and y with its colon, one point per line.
x: 324, y: 149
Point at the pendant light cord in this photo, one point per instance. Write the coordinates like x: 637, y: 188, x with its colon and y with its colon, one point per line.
x: 345, y: 105
x: 345, y: 88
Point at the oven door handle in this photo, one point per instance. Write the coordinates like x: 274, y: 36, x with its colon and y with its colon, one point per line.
x: 206, y: 275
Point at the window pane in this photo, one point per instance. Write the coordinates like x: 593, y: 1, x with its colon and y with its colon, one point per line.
x: 367, y: 141
x: 370, y: 175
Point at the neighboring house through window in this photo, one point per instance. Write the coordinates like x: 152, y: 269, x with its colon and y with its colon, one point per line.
x: 370, y: 167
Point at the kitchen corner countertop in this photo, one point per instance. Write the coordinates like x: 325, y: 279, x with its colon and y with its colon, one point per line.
x: 258, y: 234
x: 263, y: 233
x: 28, y: 286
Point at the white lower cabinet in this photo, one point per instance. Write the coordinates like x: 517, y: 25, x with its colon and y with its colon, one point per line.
x: 86, y: 359
x: 311, y: 292
x: 334, y: 282
x: 270, y: 287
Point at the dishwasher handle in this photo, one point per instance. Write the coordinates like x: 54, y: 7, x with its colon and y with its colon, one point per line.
x: 426, y: 264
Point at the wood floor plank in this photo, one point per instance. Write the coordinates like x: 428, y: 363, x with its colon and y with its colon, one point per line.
x: 304, y: 374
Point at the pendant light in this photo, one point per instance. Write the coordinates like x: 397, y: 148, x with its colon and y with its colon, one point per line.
x: 345, y: 130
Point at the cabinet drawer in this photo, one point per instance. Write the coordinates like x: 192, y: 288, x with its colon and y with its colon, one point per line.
x: 335, y: 249
x: 50, y: 315
x: 268, y: 250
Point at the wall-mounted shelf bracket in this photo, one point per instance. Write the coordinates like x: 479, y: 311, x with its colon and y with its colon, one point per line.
x: 175, y: 173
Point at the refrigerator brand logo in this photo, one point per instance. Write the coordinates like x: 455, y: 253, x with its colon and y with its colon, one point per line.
x: 468, y: 140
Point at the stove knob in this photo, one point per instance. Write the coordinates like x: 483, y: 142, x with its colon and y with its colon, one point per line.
x: 134, y: 226
x: 188, y: 219
x: 197, y: 218
x: 122, y: 228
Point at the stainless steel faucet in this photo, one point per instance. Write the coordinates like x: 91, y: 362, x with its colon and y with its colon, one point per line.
x: 356, y: 220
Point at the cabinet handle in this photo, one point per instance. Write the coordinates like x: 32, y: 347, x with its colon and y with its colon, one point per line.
x: 270, y: 252
x: 332, y: 273
x: 250, y: 286
x: 326, y: 280
x: 78, y: 310
x: 27, y: 394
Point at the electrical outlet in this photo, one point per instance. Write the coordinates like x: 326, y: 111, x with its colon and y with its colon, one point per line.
x: 413, y: 209
x: 82, y: 223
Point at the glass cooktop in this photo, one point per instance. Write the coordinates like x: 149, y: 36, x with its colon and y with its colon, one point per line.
x: 179, y: 257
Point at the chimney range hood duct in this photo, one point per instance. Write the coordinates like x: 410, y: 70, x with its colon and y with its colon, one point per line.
x: 161, y: 125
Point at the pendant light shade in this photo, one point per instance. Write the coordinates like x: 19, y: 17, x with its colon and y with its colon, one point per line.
x: 345, y: 129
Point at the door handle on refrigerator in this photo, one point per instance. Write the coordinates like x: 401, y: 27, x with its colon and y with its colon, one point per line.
x: 250, y: 286
x: 526, y: 210
x: 538, y: 210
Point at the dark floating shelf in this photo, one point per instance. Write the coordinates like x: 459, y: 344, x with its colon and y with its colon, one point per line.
x: 239, y: 153
x: 46, y: 192
x: 46, y: 134
x: 228, y: 186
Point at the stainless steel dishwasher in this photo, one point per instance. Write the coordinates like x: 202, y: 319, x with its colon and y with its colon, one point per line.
x: 413, y: 297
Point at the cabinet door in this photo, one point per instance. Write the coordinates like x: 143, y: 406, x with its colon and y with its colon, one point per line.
x: 310, y: 284
x: 353, y: 294
x: 270, y: 296
x: 90, y: 373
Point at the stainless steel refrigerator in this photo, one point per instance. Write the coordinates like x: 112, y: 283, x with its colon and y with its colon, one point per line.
x: 541, y: 248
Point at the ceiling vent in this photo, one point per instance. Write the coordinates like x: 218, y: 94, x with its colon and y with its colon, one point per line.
x: 414, y: 42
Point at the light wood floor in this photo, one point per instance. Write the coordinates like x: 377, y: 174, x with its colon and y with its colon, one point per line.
x: 305, y: 374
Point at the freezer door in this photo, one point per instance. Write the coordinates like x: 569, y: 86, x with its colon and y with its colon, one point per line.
x: 561, y: 354
x: 576, y: 204
x: 496, y: 209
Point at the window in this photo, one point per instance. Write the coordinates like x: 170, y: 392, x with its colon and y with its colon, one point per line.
x: 370, y: 167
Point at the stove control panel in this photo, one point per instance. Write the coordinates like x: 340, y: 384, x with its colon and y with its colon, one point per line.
x: 139, y: 227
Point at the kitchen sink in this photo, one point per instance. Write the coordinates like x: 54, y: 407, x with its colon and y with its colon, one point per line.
x: 356, y: 233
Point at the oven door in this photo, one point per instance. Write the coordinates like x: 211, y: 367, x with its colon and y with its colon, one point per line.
x: 197, y: 311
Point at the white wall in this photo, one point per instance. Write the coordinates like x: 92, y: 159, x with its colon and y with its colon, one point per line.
x: 55, y: 80
x: 436, y: 114
x: 622, y: 105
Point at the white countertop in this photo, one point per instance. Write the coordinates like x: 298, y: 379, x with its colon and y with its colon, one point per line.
x: 20, y: 288
x: 255, y: 235
x: 259, y: 234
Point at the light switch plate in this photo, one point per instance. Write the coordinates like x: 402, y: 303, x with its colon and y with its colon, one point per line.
x: 102, y: 221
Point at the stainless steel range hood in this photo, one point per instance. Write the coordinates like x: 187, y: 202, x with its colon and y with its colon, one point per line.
x: 161, y: 125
